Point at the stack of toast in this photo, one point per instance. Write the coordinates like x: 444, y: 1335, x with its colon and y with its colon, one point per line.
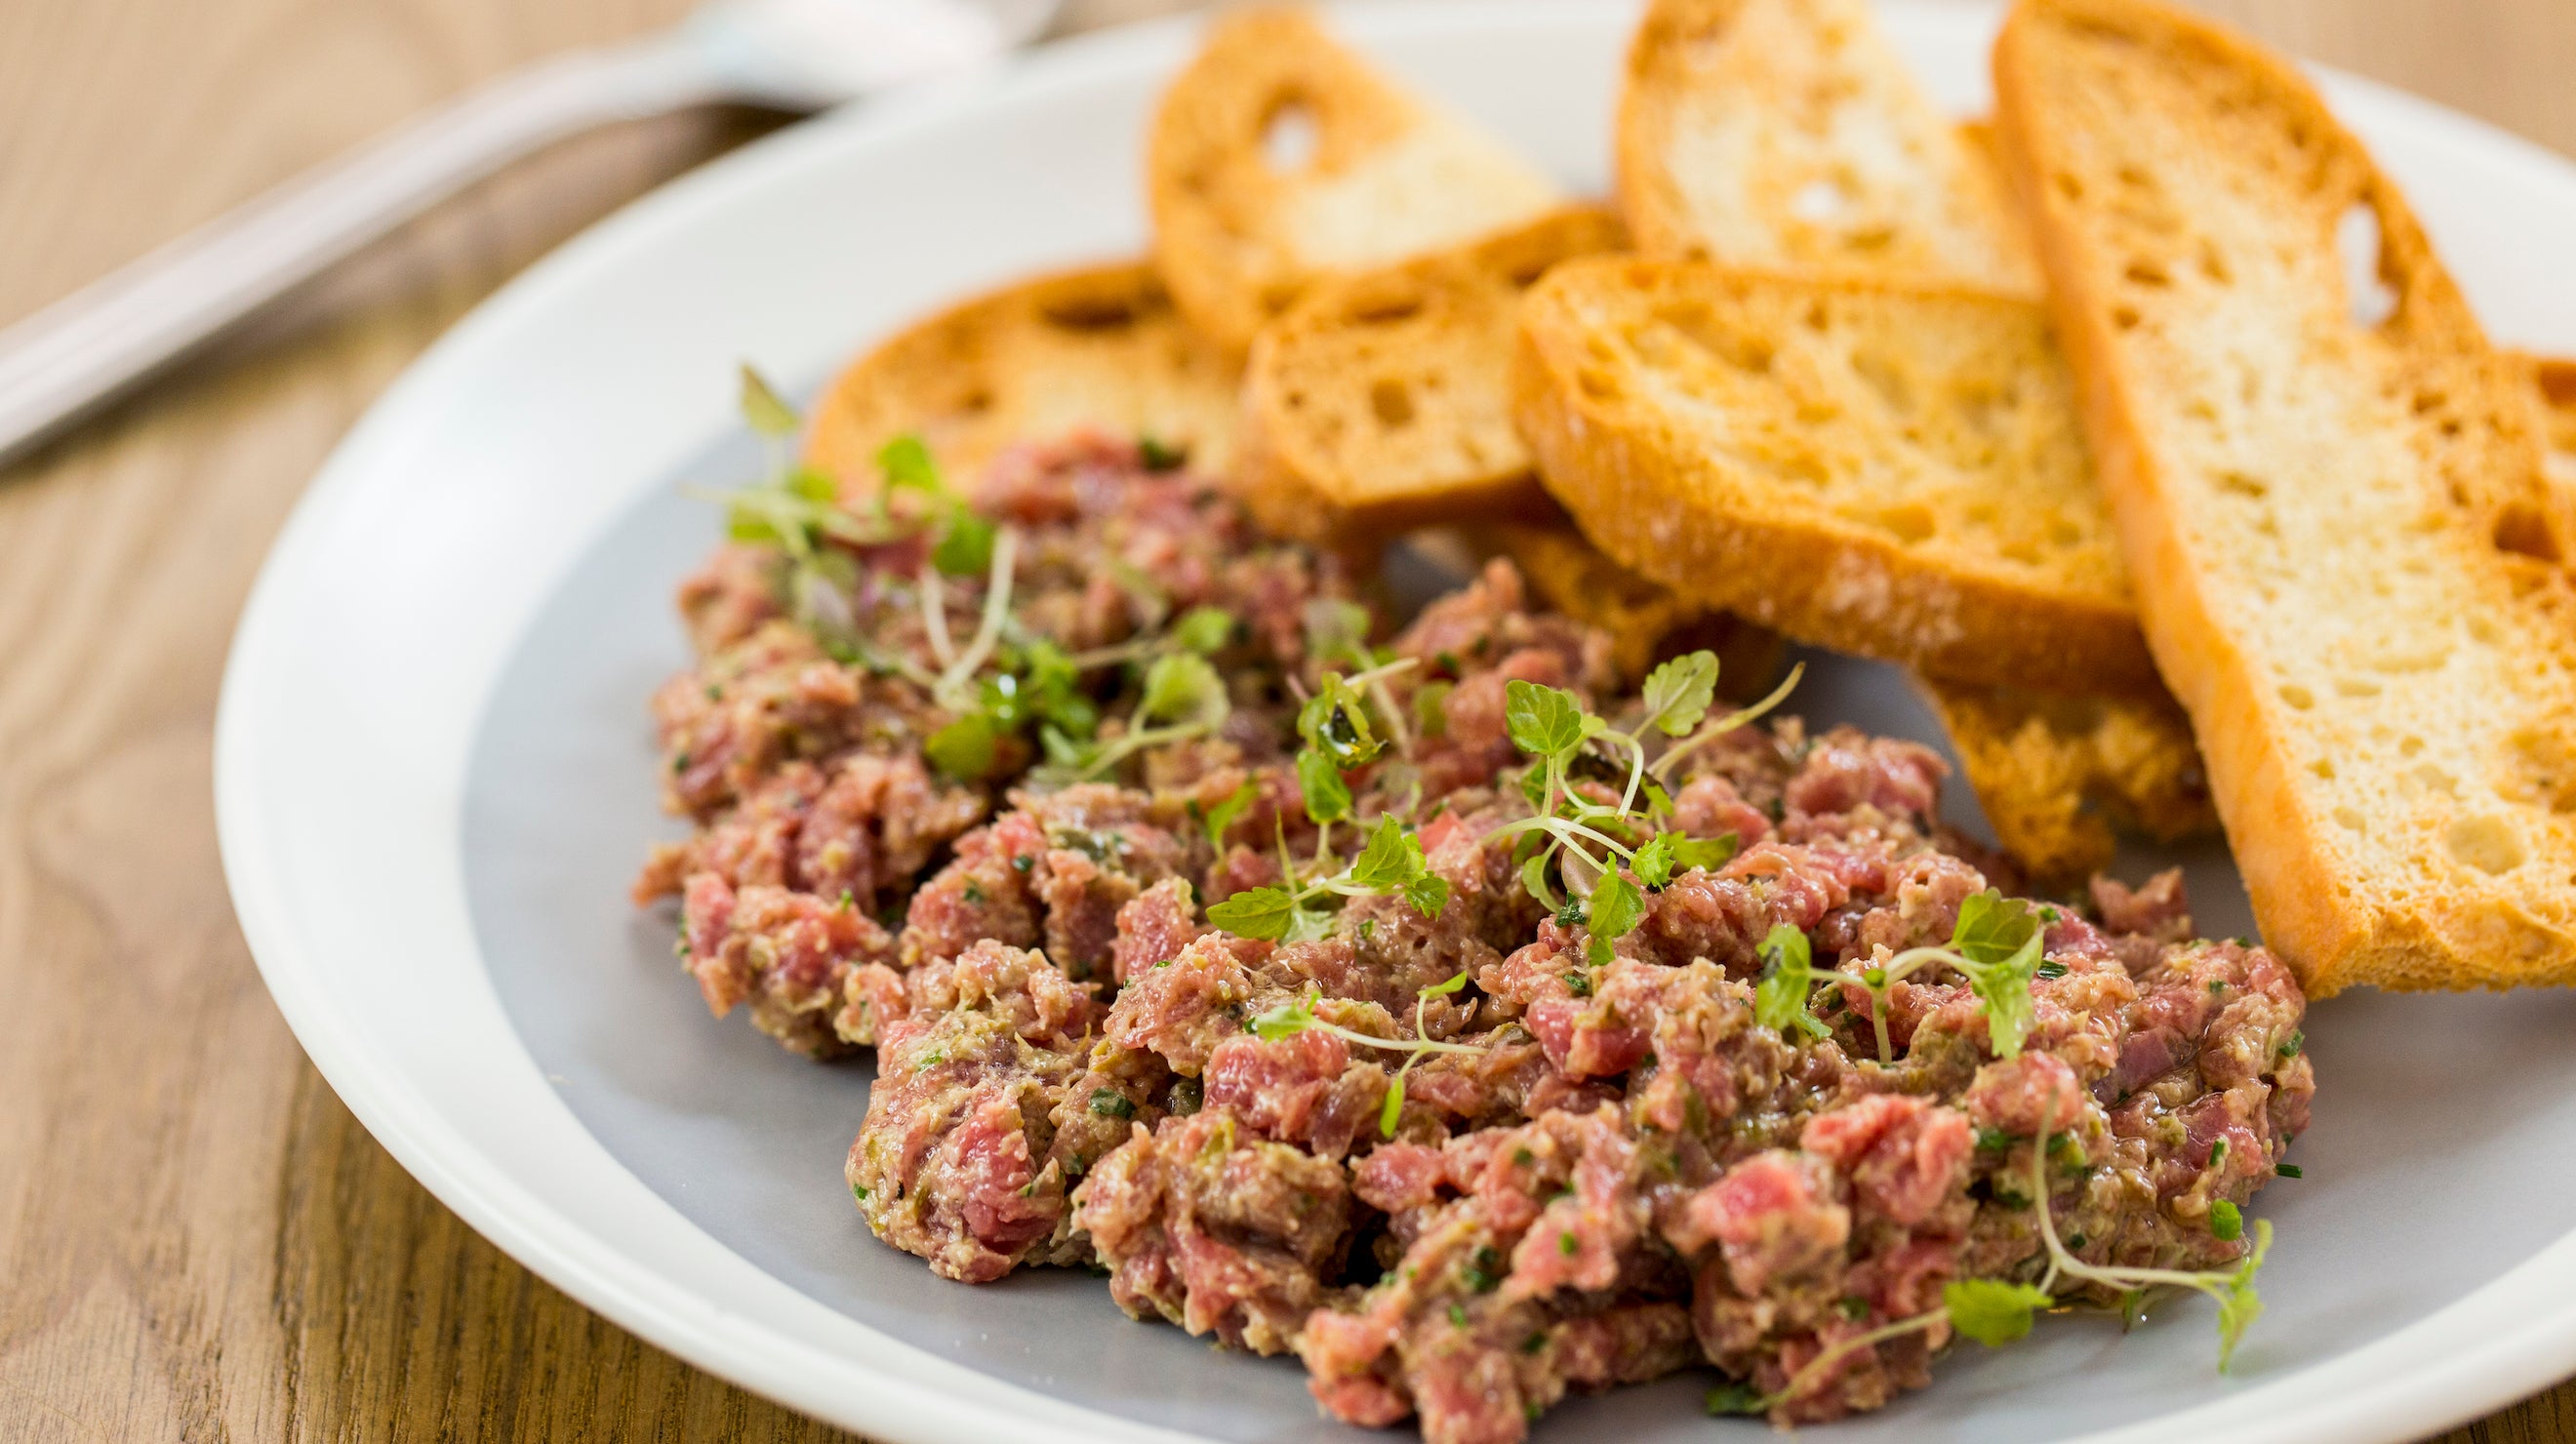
x: 2075, y: 416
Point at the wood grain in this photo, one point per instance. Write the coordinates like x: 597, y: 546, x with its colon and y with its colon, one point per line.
x: 196, y: 1240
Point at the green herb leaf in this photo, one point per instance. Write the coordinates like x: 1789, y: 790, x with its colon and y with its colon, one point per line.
x: 1428, y: 893
x: 964, y: 749
x: 1204, y: 629
x: 1736, y: 1396
x: 1991, y: 1311
x: 1336, y: 629
x: 1328, y: 798
x: 763, y: 408
x: 965, y: 545
x: 1616, y: 907
x: 1223, y: 815
x: 1335, y: 722
x: 1110, y: 1103
x: 1653, y: 863
x: 1261, y: 912
x: 1780, y: 997
x: 1534, y: 877
x: 2289, y: 1170
x: 1158, y: 456
x: 2004, y: 988
x: 1711, y: 853
x: 1392, y: 855
x: 1431, y: 708
x: 2239, y: 1305
x: 1285, y: 1021
x: 1542, y: 721
x: 1182, y: 687
x: 1992, y: 927
x: 1677, y: 694
x: 1306, y: 924
x: 908, y: 467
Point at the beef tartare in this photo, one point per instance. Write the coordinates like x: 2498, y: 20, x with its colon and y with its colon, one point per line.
x: 1422, y: 1002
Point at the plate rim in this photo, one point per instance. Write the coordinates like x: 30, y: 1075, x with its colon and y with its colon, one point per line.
x: 2506, y: 1339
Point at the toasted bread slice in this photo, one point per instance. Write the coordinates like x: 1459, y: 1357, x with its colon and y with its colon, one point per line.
x: 1646, y: 622
x: 2348, y: 561
x: 1878, y: 469
x: 1240, y: 227
x: 2056, y: 772
x: 1100, y: 348
x: 2553, y: 387
x: 1787, y: 134
x: 1382, y: 401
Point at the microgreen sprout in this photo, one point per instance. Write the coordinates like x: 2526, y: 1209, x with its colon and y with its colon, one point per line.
x: 1183, y: 697
x: 1589, y: 840
x: 1298, y: 1016
x: 1997, y: 945
x: 1993, y: 1312
x: 2232, y: 1289
x: 1391, y: 864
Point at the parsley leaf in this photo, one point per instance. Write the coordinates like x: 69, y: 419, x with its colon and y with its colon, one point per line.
x: 1181, y: 686
x: 1204, y: 629
x: 908, y: 467
x: 1543, y: 721
x: 965, y: 545
x: 1991, y: 1311
x: 1222, y: 816
x: 1677, y: 694
x: 1992, y: 927
x: 1328, y: 799
x: 964, y: 749
x: 1616, y: 907
x: 1780, y: 997
x: 767, y: 412
x: 1392, y: 855
x: 1261, y: 912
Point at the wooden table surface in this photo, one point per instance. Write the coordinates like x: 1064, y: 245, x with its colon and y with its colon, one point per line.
x: 196, y: 1239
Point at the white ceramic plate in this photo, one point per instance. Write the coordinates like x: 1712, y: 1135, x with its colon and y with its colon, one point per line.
x: 434, y: 779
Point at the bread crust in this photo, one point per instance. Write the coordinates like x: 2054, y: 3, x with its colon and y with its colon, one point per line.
x: 1239, y: 235
x: 1381, y: 402
x: 1666, y: 503
x: 1097, y: 347
x: 2463, y: 875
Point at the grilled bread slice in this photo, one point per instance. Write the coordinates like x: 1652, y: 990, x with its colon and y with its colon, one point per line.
x: 2055, y: 772
x: 1100, y: 349
x: 1381, y: 401
x: 2331, y: 495
x: 1242, y: 222
x: 1787, y: 134
x: 1879, y: 469
x: 2553, y: 387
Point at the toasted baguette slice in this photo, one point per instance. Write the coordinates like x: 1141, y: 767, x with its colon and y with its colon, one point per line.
x: 1382, y: 401
x: 2553, y: 387
x: 1239, y: 232
x: 1646, y: 622
x: 1882, y: 470
x: 2055, y: 773
x: 1787, y: 134
x: 2348, y: 561
x: 1101, y: 349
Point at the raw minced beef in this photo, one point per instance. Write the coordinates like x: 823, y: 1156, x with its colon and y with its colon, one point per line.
x: 1614, y: 1168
